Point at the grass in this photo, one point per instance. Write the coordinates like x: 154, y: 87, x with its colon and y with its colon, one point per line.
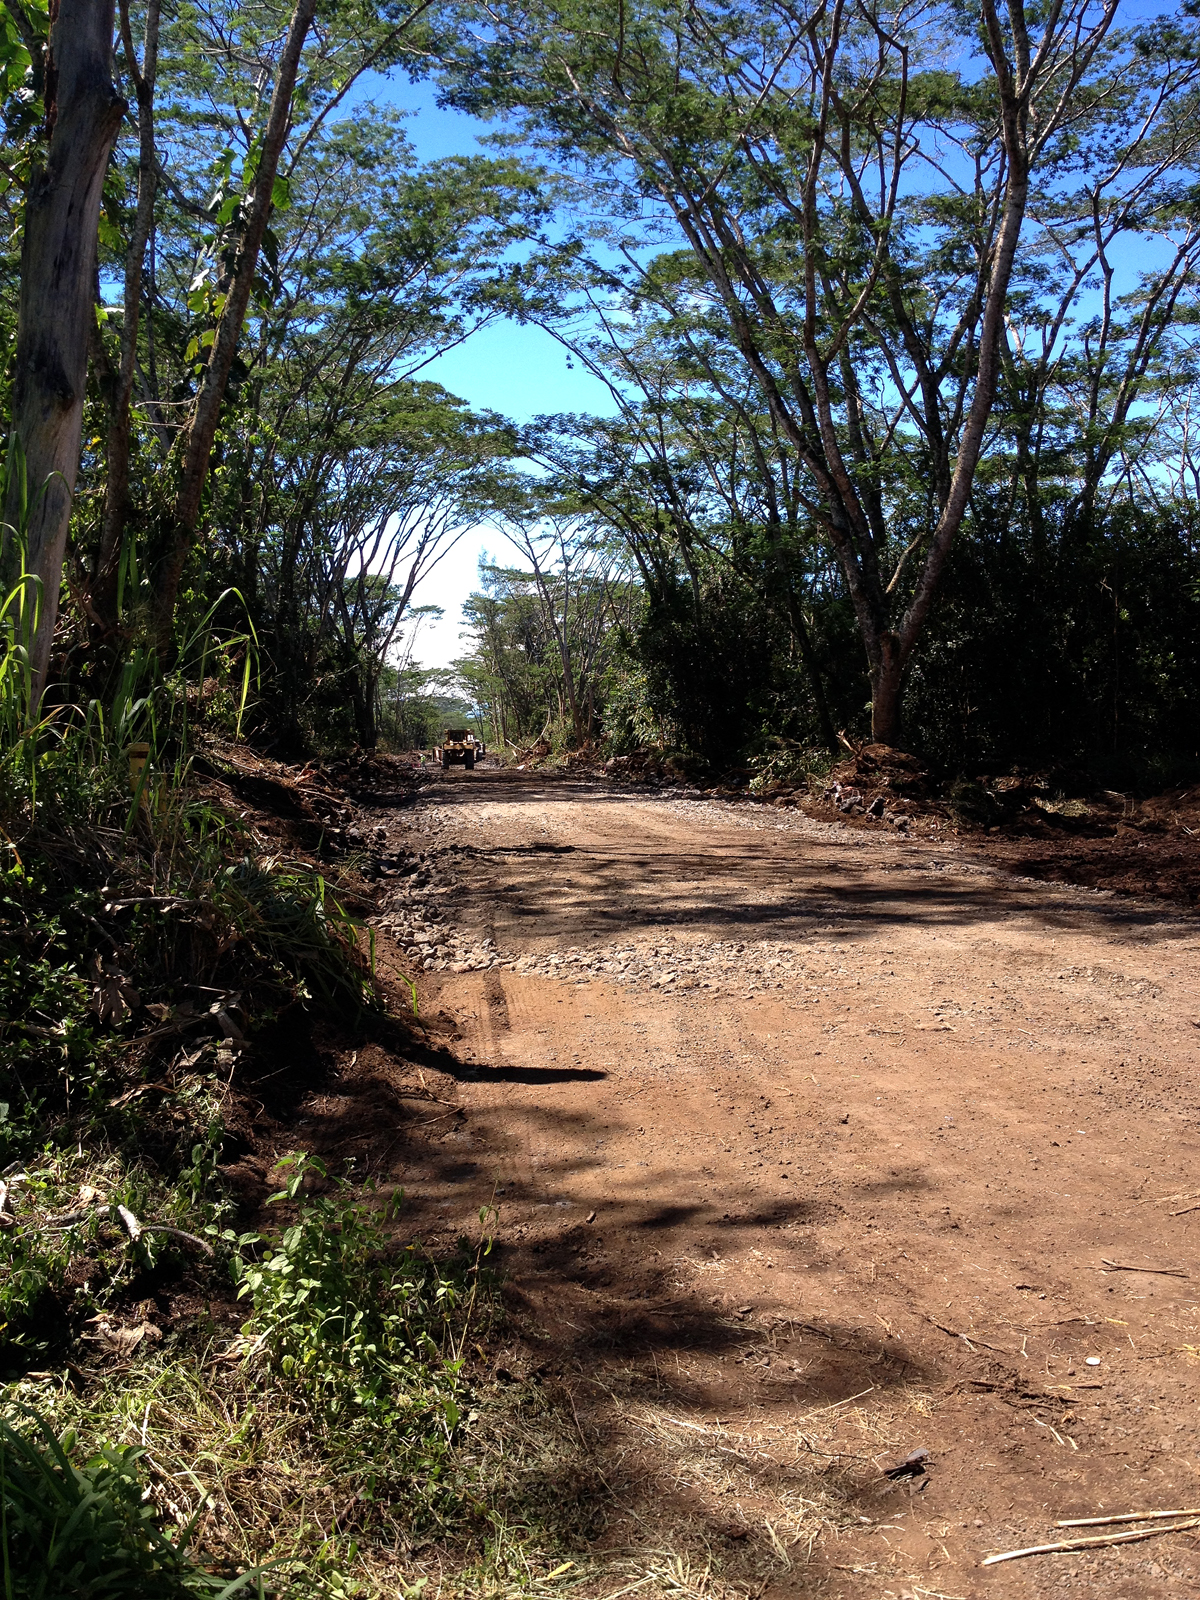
x: 351, y: 1436
x: 124, y: 908
x: 538, y: 1493
x: 86, y: 1528
x: 345, y: 1441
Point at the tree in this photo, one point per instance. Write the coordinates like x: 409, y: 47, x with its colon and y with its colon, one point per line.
x: 338, y: 466
x: 694, y: 469
x: 236, y: 100
x: 119, y: 382
x: 547, y: 632
x: 851, y: 223
x: 574, y: 577
x: 58, y: 277
x: 234, y: 295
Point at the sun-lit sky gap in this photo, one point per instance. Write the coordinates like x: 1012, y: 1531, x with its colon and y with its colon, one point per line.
x: 518, y: 370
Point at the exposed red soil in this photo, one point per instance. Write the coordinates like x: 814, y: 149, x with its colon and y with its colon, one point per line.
x: 820, y: 1225
x: 1162, y: 866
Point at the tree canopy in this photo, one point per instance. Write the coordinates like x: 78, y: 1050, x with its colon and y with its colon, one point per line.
x: 895, y: 307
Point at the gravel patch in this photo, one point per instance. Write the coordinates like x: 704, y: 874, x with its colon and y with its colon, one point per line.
x: 418, y: 914
x: 668, y: 965
x: 425, y: 933
x: 419, y: 918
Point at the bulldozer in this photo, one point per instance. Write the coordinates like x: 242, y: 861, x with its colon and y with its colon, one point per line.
x: 459, y: 746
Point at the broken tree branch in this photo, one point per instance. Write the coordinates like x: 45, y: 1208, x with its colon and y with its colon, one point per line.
x: 133, y: 1225
x: 1083, y: 1544
x: 1129, y: 1516
x: 1122, y: 1266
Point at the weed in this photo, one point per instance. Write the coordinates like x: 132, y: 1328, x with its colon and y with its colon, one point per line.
x: 787, y: 762
x: 49, y: 1050
x: 352, y: 1329
x: 87, y: 1531
x: 302, y: 931
x: 67, y: 1256
x: 343, y: 1424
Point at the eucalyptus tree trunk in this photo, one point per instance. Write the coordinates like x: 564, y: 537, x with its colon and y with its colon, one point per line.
x: 56, y: 310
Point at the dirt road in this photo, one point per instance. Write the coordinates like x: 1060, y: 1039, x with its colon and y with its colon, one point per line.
x: 810, y: 1150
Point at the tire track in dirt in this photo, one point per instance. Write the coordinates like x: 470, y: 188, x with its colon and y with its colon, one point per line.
x: 896, y: 1170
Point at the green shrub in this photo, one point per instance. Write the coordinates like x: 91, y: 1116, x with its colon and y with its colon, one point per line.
x: 51, y: 1060
x: 352, y: 1327
x: 286, y: 916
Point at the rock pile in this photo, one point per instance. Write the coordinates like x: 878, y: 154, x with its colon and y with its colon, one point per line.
x: 671, y: 965
x: 877, y: 782
x: 416, y: 917
x: 851, y: 802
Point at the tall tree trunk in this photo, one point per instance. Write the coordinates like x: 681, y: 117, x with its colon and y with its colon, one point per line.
x: 371, y: 704
x: 362, y: 707
x: 58, y: 286
x: 104, y: 585
x: 202, y: 430
x: 887, y: 690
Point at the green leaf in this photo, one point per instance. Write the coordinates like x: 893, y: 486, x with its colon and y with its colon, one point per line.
x: 110, y: 234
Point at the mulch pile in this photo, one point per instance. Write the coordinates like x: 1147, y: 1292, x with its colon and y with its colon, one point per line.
x: 1138, y: 847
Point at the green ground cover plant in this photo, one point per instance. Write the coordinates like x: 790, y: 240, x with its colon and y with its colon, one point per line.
x: 85, y: 1529
x: 317, y: 1451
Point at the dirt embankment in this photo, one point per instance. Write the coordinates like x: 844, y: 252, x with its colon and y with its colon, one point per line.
x: 814, y: 1148
x: 1050, y: 825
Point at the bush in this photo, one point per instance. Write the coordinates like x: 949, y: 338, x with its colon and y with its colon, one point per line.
x: 349, y: 1327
